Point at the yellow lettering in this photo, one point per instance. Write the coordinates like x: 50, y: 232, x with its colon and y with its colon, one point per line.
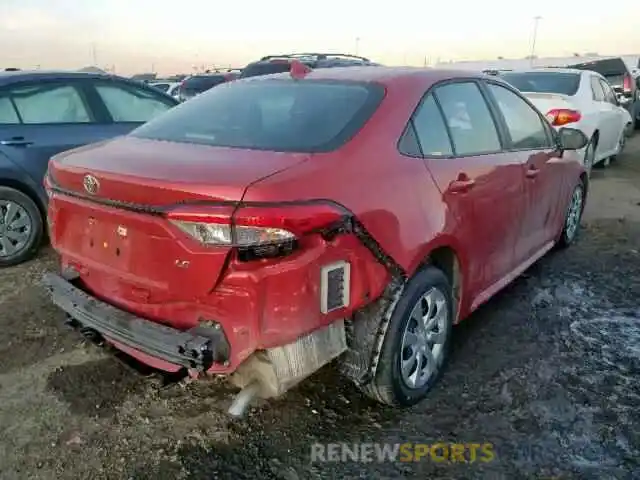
x: 473, y: 451
x: 421, y: 450
x: 434, y: 452
x: 406, y: 455
x: 457, y: 453
x: 489, y: 454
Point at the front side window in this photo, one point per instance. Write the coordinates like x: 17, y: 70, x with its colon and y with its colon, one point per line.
x: 48, y: 103
x: 467, y: 114
x: 128, y: 103
x: 525, y: 126
x: 277, y: 115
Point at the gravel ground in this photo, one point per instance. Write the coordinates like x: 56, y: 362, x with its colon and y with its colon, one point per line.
x: 546, y: 372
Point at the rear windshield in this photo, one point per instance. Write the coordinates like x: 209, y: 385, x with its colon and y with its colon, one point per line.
x: 276, y: 114
x: 544, y: 82
x: 200, y: 84
x: 612, y: 68
x: 266, y: 68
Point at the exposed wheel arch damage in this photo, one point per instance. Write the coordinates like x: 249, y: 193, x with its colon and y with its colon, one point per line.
x: 367, y: 328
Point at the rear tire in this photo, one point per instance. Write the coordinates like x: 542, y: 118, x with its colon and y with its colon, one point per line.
x: 21, y: 227
x: 408, y: 342
x: 622, y: 142
x: 573, y: 215
x: 590, y: 155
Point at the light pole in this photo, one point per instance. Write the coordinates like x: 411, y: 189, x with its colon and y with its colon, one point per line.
x: 357, y: 45
x: 536, y: 20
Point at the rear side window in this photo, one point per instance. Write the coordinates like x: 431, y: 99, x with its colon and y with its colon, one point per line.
x: 430, y: 129
x: 467, y: 114
x: 596, y: 89
x: 609, y: 95
x: 525, y: 126
x: 48, y: 103
x: 544, y: 82
x: 127, y: 103
x: 277, y: 115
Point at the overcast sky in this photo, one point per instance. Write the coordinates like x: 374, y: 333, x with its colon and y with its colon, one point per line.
x: 173, y: 36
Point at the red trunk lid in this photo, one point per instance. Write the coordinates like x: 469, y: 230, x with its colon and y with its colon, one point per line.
x: 153, y: 172
x: 132, y: 256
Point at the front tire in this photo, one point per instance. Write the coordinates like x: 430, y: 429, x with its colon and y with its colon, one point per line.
x: 417, y: 342
x: 573, y: 216
x: 21, y: 227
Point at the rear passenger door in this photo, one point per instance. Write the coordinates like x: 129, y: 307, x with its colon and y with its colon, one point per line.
x: 531, y: 143
x: 481, y: 185
x: 615, y: 119
x: 606, y: 115
x: 41, y: 119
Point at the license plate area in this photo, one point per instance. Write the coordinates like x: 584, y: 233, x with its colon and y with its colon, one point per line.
x: 108, y: 242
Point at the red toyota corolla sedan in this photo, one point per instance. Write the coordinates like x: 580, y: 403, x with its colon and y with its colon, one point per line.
x: 276, y: 223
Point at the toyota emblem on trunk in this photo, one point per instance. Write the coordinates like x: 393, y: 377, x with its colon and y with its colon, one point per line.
x: 91, y: 184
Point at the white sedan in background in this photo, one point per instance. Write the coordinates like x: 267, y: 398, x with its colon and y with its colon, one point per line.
x: 578, y: 99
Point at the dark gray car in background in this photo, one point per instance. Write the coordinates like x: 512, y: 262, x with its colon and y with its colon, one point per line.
x: 44, y: 113
x: 619, y: 76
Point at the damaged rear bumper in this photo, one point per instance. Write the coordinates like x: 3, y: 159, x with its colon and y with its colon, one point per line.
x: 196, y: 349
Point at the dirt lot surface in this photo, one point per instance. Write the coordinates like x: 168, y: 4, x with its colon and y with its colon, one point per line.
x: 547, y: 372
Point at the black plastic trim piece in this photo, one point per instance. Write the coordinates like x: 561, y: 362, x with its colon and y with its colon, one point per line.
x: 196, y: 350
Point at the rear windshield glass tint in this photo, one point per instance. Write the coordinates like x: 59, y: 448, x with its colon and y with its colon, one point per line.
x: 202, y: 83
x: 257, y: 69
x: 613, y: 67
x: 547, y: 82
x: 277, y: 115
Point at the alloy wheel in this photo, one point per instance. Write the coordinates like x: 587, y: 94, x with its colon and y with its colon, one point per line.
x: 574, y: 213
x: 15, y: 228
x: 424, y: 338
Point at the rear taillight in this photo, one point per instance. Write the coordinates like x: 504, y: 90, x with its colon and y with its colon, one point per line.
x: 563, y: 116
x: 252, y: 226
x: 627, y: 83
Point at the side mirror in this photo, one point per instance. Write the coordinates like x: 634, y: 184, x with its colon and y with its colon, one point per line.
x: 572, y: 139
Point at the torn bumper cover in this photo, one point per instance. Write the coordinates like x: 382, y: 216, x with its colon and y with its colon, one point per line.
x: 195, y: 349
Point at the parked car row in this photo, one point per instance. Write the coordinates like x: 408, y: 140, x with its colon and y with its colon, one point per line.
x: 237, y: 234
x: 196, y: 84
x: 43, y: 113
x: 582, y: 99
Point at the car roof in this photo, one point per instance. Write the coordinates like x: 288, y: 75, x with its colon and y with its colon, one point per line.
x: 22, y: 75
x: 377, y: 74
x: 547, y: 70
